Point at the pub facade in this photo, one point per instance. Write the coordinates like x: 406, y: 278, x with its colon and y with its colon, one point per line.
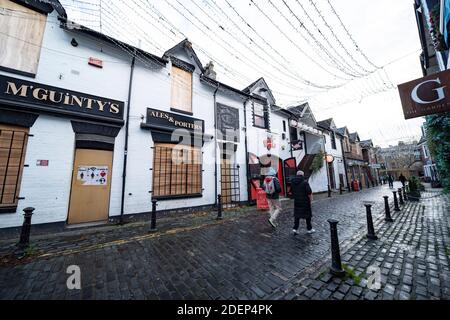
x: 91, y: 126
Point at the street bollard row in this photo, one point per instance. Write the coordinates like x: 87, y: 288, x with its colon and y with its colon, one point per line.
x: 336, y: 265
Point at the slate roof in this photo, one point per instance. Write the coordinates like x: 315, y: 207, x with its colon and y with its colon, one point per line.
x: 354, y: 136
x: 326, y: 124
x: 187, y: 46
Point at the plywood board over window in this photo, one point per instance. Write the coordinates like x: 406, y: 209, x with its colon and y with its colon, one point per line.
x: 181, y: 90
x: 13, y: 142
x: 21, y: 34
x: 177, y: 171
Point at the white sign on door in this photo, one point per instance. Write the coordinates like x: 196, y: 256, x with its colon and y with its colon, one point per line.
x: 92, y: 175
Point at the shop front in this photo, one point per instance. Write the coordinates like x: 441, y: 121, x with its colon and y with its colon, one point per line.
x: 33, y: 113
x: 177, y: 170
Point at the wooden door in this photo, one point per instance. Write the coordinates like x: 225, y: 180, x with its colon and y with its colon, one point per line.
x: 91, y: 185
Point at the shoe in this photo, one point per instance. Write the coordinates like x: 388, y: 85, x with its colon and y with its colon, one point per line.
x: 272, y: 223
x: 311, y: 231
x: 294, y: 232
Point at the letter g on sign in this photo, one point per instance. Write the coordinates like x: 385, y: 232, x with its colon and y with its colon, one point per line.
x: 440, y: 92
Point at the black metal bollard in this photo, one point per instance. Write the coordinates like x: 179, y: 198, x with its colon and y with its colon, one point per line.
x: 349, y: 188
x: 370, y: 229
x: 340, y: 188
x: 336, y: 266
x: 405, y: 197
x: 153, y: 220
x: 26, y: 227
x: 387, y: 210
x: 396, y: 207
x: 329, y: 191
x: 219, y: 207
x: 400, y: 196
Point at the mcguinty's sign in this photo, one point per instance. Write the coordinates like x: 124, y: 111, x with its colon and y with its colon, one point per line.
x: 45, y: 98
x: 425, y: 96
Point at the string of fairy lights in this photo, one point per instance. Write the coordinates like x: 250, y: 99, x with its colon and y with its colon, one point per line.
x: 324, y: 61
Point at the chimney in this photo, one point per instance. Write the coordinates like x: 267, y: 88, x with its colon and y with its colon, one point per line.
x: 209, y: 71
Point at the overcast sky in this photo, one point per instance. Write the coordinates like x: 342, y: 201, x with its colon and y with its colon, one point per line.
x: 303, y: 53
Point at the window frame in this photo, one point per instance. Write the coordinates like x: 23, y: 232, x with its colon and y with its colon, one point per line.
x: 333, y: 141
x: 170, y: 169
x: 264, y: 117
x: 12, y: 207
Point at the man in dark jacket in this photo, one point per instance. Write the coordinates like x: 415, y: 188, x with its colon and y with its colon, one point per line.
x: 402, y: 179
x: 302, y: 202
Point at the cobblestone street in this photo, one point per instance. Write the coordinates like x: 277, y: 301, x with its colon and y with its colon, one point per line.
x: 242, y: 257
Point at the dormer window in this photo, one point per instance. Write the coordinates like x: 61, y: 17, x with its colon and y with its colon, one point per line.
x: 181, y: 90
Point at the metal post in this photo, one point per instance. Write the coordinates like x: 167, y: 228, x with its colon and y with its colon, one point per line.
x: 329, y: 191
x: 387, y: 210
x: 340, y: 188
x: 405, y: 197
x: 370, y: 229
x: 336, y: 266
x: 396, y: 208
x: 153, y: 220
x: 400, y: 196
x: 219, y: 207
x: 26, y: 227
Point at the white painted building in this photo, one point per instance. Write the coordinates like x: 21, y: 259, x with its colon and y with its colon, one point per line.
x: 90, y: 127
x: 63, y: 120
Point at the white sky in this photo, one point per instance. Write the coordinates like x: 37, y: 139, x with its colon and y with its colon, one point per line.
x: 385, y: 30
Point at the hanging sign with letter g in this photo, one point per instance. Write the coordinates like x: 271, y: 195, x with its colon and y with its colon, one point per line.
x: 425, y: 96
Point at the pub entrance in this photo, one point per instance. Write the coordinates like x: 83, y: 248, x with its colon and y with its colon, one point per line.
x: 91, y: 186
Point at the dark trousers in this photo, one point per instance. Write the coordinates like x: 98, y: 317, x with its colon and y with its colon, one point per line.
x: 297, y: 223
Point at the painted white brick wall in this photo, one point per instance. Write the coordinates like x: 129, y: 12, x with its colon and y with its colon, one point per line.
x: 46, y: 188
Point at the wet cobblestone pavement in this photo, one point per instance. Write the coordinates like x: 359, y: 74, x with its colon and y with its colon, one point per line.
x: 240, y: 257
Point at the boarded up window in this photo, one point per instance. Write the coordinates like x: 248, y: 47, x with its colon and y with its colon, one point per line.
x: 13, y: 141
x: 22, y: 30
x: 181, y: 90
x: 177, y: 171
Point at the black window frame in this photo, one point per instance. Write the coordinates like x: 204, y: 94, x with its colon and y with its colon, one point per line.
x: 333, y: 141
x: 265, y: 116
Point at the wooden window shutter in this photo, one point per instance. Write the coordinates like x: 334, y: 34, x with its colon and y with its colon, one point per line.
x: 13, y: 143
x: 21, y: 37
x: 181, y: 90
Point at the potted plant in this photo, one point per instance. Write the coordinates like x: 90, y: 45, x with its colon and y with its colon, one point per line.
x: 414, y: 187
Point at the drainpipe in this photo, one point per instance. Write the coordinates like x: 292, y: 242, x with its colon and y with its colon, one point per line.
x: 345, y: 163
x: 215, y: 146
x: 249, y: 192
x: 125, y: 151
x: 326, y: 166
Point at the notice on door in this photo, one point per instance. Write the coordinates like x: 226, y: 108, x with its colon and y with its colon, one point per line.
x: 92, y: 175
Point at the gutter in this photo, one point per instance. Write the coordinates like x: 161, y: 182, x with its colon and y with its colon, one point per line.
x: 215, y: 145
x: 125, y: 151
x: 249, y: 192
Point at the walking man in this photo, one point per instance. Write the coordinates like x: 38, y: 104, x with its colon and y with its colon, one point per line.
x: 402, y: 179
x: 302, y: 202
x: 391, y: 181
x: 272, y: 187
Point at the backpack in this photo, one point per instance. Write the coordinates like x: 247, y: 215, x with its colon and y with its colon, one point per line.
x: 269, y: 185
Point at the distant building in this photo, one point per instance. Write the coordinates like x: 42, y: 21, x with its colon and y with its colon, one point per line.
x: 403, y: 159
